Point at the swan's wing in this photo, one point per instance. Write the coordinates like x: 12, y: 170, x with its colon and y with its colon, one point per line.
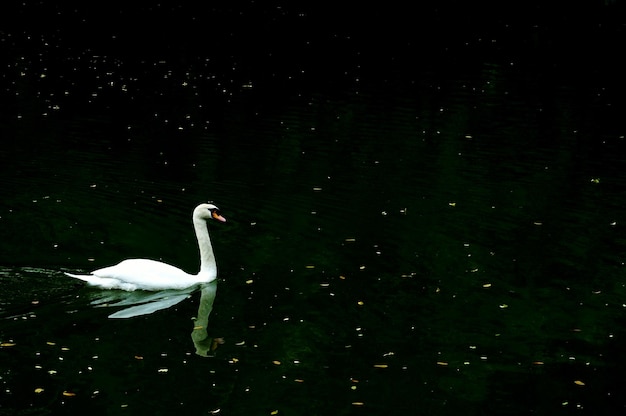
x: 150, y: 307
x: 146, y: 274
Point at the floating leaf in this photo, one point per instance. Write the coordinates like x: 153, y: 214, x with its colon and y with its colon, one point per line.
x: 51, y: 343
x: 163, y: 370
x: 249, y: 281
x: 240, y: 343
x: 357, y: 403
x: 8, y: 344
x: 138, y: 357
x: 38, y: 390
x: 360, y: 303
x: 538, y: 362
x: 274, y: 412
x: 504, y: 306
x: 580, y: 383
x: 69, y: 394
x: 381, y: 365
x: 442, y: 363
x: 276, y: 362
x: 452, y: 204
x: 487, y: 285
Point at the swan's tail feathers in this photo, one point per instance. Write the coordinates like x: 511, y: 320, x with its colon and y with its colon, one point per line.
x: 103, y: 282
x: 85, y: 277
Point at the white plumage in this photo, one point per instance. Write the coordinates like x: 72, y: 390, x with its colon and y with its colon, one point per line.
x: 145, y: 274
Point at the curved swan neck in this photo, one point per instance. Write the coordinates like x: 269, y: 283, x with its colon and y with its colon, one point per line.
x: 207, y: 258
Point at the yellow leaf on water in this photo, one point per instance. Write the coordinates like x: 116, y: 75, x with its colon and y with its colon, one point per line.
x: 274, y: 412
x: 381, y: 365
x: 357, y: 403
x: 276, y: 362
x: 580, y: 383
x: 51, y: 343
x: 487, y: 285
x: 7, y: 344
x: 38, y: 390
x: 442, y: 363
x: 249, y: 281
x: 69, y: 394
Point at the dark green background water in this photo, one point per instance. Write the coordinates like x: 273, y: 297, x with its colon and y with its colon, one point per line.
x: 425, y: 207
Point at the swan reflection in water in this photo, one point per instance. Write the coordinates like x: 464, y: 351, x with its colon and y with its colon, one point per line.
x: 143, y: 303
x: 205, y: 345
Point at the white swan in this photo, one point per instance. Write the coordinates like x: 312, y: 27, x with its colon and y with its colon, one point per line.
x: 133, y: 274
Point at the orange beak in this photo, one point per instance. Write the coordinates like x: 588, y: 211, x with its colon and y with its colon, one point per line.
x: 218, y: 217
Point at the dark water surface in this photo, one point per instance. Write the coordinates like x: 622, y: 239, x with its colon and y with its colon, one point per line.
x: 425, y: 212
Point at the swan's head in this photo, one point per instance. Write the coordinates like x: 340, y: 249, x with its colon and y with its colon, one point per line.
x: 208, y: 211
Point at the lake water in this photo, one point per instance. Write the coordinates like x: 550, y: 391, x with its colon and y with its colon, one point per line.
x: 424, y: 215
